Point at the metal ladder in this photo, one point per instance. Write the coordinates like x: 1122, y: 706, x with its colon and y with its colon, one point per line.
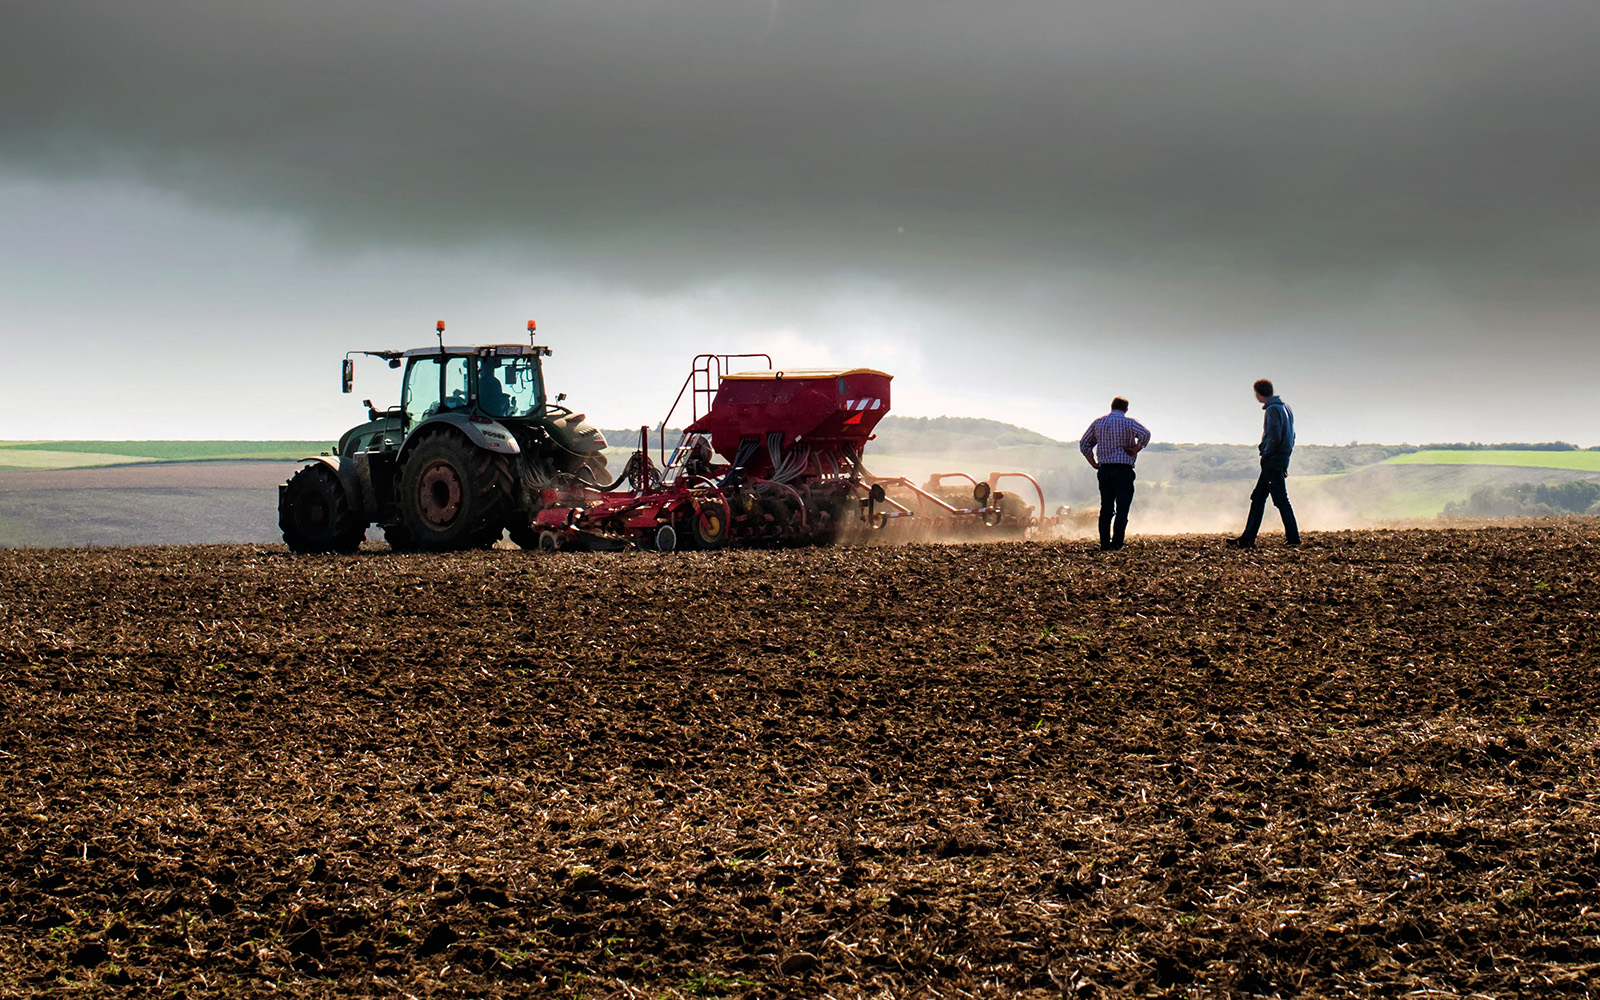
x: 705, y: 378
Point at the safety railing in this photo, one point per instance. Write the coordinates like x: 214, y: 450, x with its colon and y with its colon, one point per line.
x: 705, y: 377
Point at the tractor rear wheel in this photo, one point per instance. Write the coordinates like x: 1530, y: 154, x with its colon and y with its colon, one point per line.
x: 454, y: 495
x: 314, y: 514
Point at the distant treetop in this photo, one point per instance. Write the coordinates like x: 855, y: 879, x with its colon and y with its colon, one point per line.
x: 1504, y: 446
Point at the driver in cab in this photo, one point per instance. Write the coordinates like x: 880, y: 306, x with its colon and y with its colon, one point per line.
x: 492, y: 396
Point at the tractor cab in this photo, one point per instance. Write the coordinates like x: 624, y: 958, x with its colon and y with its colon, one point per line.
x: 503, y: 382
x: 480, y: 384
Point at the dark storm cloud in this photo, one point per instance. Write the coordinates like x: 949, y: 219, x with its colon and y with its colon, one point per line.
x: 1324, y: 141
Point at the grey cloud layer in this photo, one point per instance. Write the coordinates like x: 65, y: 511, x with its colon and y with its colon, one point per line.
x: 680, y: 138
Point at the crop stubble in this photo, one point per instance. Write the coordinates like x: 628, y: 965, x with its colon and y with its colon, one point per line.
x: 1364, y: 768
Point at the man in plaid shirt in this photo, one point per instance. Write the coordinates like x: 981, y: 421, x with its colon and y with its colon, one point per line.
x: 1118, y: 439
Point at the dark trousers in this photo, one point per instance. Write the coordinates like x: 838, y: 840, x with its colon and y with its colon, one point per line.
x: 1116, y: 496
x: 1271, y: 484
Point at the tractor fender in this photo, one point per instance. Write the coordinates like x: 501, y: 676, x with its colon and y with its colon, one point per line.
x: 487, y: 434
x: 355, y: 476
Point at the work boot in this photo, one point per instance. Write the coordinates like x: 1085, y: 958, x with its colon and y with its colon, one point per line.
x: 1240, y: 543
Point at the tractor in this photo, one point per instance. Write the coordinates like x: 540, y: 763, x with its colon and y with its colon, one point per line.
x: 473, y: 449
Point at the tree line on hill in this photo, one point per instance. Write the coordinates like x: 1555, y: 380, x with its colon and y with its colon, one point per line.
x: 1580, y: 496
x: 1507, y: 446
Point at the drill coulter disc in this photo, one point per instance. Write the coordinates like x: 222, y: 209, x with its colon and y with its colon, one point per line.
x: 711, y: 528
x: 666, y: 538
x: 707, y: 525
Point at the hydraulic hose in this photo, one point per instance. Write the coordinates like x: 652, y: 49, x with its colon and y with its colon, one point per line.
x: 785, y: 487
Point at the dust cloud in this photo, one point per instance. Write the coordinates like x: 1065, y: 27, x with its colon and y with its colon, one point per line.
x: 1312, y: 513
x: 1164, y: 503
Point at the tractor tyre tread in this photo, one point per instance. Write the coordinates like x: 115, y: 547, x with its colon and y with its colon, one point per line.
x: 487, y: 493
x: 315, y: 515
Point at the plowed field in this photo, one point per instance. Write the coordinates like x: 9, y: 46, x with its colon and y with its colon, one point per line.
x: 1367, y: 767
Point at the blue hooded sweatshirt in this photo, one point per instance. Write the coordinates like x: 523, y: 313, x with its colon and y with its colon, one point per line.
x: 1277, y: 435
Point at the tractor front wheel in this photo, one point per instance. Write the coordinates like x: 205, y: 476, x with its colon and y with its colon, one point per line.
x: 314, y: 514
x: 454, y: 495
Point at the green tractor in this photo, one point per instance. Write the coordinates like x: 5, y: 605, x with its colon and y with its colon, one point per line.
x: 473, y: 450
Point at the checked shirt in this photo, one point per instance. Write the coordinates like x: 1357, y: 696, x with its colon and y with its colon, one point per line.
x: 1112, y: 434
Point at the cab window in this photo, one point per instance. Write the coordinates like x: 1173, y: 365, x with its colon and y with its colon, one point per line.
x: 509, y: 386
x: 421, y: 397
x: 432, y: 387
x: 456, y: 388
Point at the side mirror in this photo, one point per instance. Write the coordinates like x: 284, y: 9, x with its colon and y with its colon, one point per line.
x: 348, y: 374
x: 560, y: 396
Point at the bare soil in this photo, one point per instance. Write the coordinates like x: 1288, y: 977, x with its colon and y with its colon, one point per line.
x: 1363, y: 768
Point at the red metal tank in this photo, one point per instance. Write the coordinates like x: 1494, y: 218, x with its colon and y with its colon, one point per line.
x: 828, y: 410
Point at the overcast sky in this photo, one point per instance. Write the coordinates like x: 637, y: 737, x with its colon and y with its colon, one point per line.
x: 1391, y: 207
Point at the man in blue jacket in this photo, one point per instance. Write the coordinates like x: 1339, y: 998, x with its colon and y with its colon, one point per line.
x: 1277, y: 443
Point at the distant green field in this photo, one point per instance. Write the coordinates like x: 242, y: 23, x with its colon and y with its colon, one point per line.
x: 31, y: 458
x: 1578, y: 461
x: 84, y: 454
